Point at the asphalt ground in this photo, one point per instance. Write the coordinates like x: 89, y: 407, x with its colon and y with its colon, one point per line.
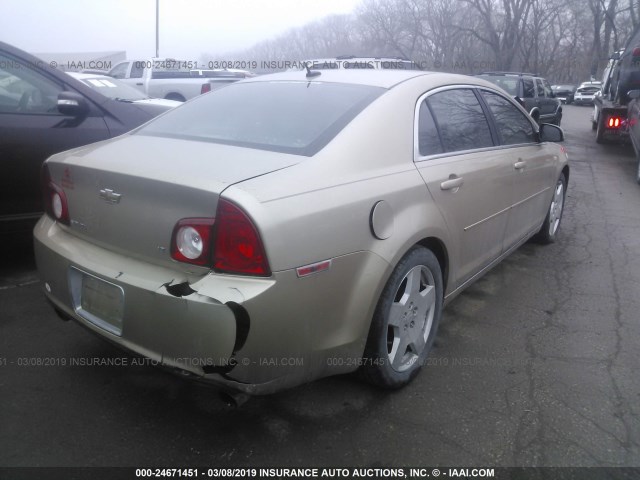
x: 534, y: 365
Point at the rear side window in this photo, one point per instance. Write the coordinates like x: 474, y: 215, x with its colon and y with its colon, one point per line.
x: 428, y: 138
x: 540, y: 87
x: 460, y: 119
x: 297, y: 117
x: 513, y: 127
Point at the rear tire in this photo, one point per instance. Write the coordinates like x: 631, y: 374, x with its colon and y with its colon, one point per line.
x: 549, y: 230
x: 405, y: 321
x: 600, y: 130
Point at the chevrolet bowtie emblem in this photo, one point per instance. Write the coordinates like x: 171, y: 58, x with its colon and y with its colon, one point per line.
x: 110, y: 196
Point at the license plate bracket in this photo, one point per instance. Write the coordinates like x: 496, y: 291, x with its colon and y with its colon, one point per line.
x: 97, y: 300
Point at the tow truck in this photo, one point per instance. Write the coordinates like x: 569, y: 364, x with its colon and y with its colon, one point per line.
x: 609, y: 118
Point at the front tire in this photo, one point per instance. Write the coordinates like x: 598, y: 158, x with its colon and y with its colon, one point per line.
x: 405, y: 321
x: 549, y: 230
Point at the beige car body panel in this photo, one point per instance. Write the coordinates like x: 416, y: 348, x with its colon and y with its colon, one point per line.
x: 307, y: 210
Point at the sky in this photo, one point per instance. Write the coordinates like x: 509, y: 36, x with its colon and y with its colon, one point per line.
x: 188, y: 28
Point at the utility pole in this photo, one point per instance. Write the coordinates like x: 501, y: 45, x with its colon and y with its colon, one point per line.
x: 157, y: 28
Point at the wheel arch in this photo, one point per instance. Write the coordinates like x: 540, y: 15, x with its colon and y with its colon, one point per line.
x: 175, y: 96
x: 565, y: 171
x: 439, y: 249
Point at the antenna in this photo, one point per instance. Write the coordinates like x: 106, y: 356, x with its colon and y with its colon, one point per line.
x: 311, y: 73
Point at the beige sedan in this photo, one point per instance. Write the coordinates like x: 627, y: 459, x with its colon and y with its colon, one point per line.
x: 298, y: 225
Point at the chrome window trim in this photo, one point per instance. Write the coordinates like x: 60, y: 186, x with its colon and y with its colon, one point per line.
x: 416, y: 123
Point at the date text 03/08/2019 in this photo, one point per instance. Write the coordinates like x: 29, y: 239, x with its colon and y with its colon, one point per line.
x: 302, y: 473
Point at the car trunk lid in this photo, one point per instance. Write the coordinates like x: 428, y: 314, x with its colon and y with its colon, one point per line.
x: 127, y: 194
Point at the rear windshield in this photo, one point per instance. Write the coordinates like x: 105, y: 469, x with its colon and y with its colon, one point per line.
x: 288, y: 117
x: 588, y: 89
x: 507, y: 83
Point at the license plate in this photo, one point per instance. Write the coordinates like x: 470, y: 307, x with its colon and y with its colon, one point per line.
x: 98, y: 301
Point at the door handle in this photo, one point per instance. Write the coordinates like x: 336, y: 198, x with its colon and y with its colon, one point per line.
x: 519, y: 165
x: 140, y: 83
x: 453, y: 182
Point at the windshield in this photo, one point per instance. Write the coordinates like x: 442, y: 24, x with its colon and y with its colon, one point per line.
x: 289, y: 117
x: 112, y: 88
x: 507, y: 83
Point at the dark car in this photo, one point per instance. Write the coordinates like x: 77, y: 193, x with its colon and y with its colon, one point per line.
x: 626, y: 73
x: 533, y: 92
x: 44, y: 111
x: 564, y: 93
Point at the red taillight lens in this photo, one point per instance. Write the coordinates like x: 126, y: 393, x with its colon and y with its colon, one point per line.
x: 191, y: 241
x: 636, y: 52
x: 54, y: 198
x: 237, y: 247
x: 206, y: 87
x: 614, y: 122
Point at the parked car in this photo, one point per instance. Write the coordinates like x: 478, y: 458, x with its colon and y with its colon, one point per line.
x: 367, y: 63
x: 121, y: 92
x: 586, y: 92
x: 625, y: 87
x: 533, y: 92
x: 293, y: 229
x: 44, y: 111
x: 564, y: 93
x: 162, y: 78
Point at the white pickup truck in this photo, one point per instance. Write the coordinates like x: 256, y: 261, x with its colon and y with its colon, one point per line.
x: 168, y: 78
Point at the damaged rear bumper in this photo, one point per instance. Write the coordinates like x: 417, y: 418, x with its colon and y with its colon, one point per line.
x: 253, y: 335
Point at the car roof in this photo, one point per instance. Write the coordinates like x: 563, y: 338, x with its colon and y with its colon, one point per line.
x: 375, y: 78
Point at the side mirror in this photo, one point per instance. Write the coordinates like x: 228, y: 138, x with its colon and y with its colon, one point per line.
x: 634, y: 94
x: 73, y: 104
x: 551, y: 133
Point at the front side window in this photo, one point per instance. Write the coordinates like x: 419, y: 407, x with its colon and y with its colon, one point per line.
x: 513, y: 126
x: 24, y: 90
x: 119, y: 71
x: 460, y: 119
x: 136, y: 70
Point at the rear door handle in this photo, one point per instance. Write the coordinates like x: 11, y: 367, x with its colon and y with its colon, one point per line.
x: 140, y: 83
x: 453, y: 182
x: 519, y: 165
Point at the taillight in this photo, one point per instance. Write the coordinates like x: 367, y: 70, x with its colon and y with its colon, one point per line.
x: 54, y: 198
x: 230, y: 243
x: 191, y: 241
x: 206, y: 87
x: 636, y: 52
x: 614, y: 122
x: 238, y: 248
